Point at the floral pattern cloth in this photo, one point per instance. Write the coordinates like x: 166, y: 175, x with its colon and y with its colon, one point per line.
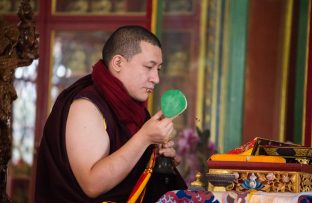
x: 192, y: 196
x: 187, y: 196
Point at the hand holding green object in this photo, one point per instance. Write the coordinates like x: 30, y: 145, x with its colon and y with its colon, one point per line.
x: 173, y: 102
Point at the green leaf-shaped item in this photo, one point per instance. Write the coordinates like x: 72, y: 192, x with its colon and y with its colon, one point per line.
x: 173, y: 103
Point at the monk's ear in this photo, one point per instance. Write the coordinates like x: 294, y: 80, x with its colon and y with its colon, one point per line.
x: 117, y: 63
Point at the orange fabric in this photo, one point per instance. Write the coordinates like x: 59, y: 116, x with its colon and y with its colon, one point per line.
x: 246, y: 158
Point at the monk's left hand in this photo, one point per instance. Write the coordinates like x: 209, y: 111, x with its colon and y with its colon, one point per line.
x: 167, y: 150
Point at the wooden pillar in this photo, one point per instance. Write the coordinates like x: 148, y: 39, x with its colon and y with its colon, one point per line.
x: 18, y: 47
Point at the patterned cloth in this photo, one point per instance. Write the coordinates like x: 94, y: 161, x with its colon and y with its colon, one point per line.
x: 192, y: 196
x: 184, y: 196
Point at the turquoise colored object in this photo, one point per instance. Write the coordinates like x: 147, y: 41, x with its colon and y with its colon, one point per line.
x: 173, y: 102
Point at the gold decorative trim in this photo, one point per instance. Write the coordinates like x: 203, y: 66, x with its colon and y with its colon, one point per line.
x: 154, y: 30
x: 122, y: 14
x: 306, y: 79
x: 267, y: 181
x: 52, y: 39
x: 214, y: 98
x: 224, y: 77
x: 62, y: 13
x: 285, y: 67
x: 201, y: 62
x: 53, y: 7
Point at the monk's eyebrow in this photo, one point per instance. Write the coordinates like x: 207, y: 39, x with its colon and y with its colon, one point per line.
x: 155, y: 63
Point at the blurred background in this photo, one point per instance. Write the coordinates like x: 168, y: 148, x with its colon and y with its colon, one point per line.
x: 244, y: 66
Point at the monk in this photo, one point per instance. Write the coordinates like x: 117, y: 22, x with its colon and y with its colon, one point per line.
x: 99, y: 139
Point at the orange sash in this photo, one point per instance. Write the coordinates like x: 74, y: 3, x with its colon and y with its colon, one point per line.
x: 138, y: 191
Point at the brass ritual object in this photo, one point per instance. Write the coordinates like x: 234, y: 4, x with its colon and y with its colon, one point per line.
x: 220, y: 182
x: 213, y: 181
x: 18, y: 47
x: 198, y: 184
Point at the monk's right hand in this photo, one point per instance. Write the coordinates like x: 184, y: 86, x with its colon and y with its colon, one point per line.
x: 157, y: 129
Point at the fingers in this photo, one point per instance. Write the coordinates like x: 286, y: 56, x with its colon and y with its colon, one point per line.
x: 167, y: 149
x: 168, y: 152
x: 177, y: 160
x: 164, y: 124
x: 157, y: 116
x: 169, y: 144
x: 160, y: 116
x: 158, y: 128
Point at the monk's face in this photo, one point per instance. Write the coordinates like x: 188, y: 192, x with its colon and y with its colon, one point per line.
x: 139, y: 74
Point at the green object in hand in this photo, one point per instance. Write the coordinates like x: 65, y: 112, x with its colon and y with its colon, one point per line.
x: 173, y: 103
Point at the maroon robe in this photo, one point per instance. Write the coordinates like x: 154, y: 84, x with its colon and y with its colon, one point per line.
x: 55, y: 181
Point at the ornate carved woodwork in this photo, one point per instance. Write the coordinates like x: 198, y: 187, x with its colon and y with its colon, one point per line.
x: 18, y: 47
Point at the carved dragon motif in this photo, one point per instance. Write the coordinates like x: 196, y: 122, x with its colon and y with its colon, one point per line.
x: 18, y: 47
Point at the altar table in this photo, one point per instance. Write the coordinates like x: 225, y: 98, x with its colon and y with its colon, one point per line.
x: 193, y: 196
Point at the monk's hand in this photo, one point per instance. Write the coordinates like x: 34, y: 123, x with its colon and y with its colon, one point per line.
x: 167, y: 149
x: 157, y: 129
